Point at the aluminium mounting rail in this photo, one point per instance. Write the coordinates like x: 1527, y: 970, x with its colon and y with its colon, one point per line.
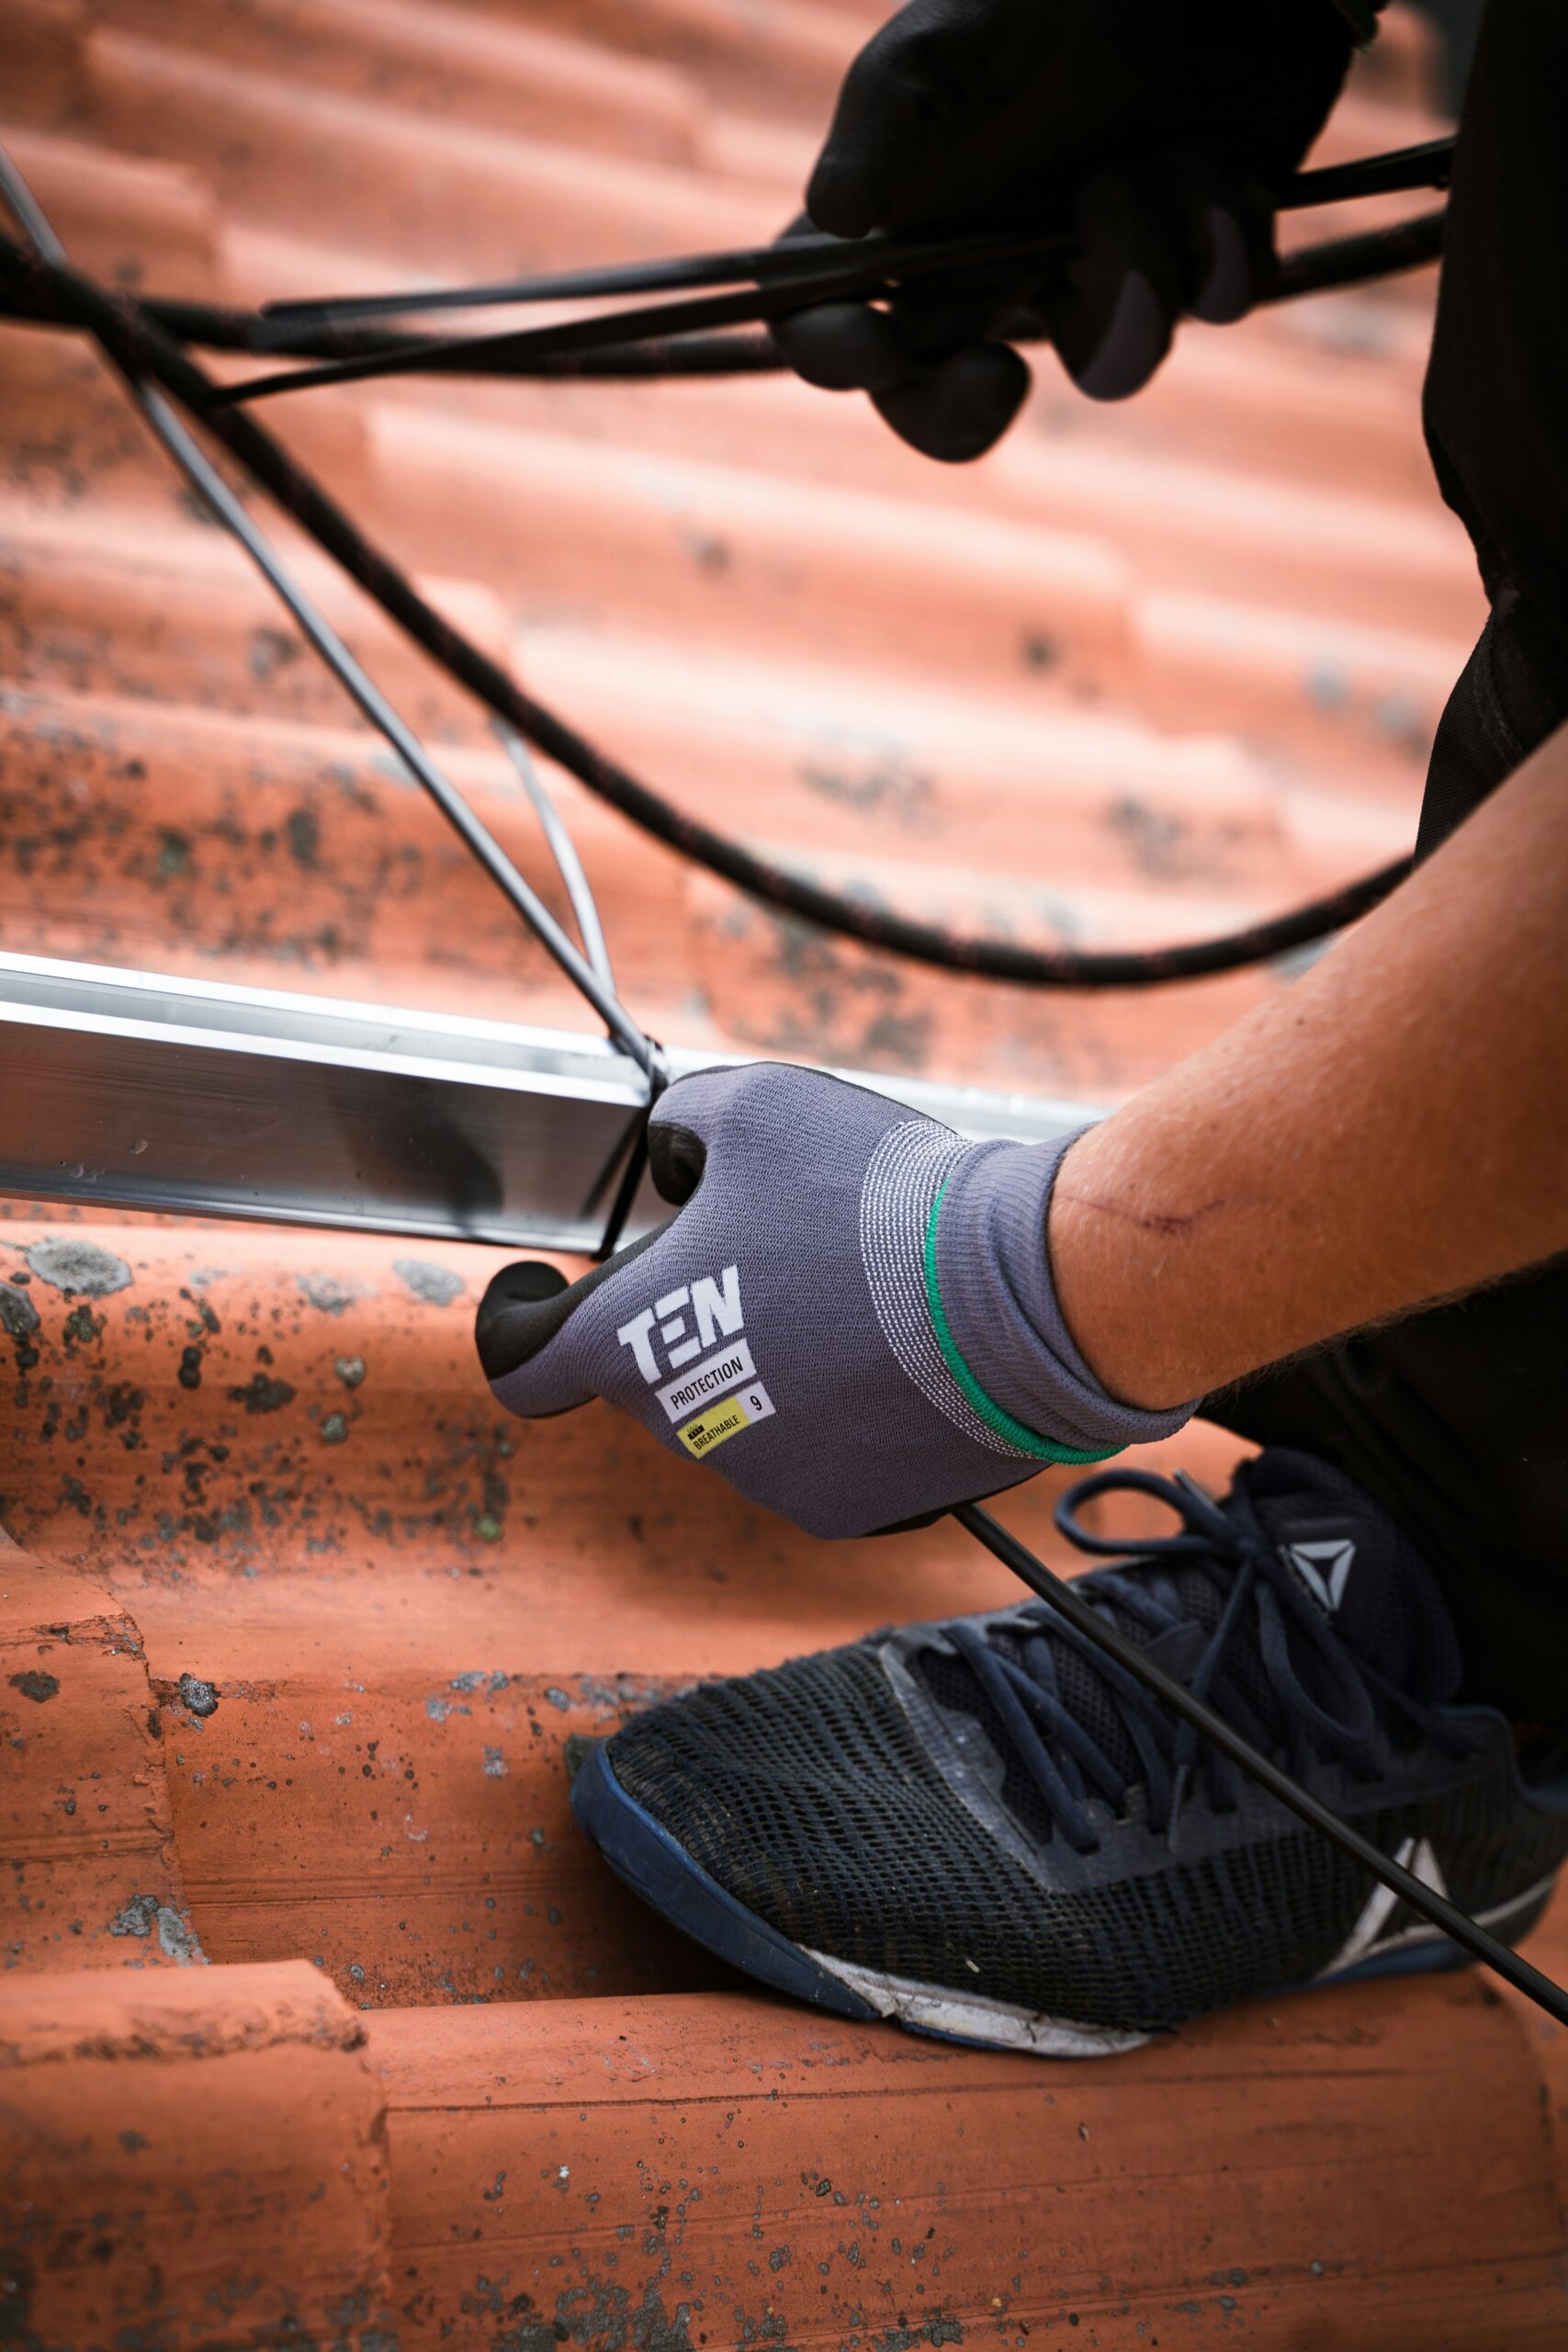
x: 140, y: 1091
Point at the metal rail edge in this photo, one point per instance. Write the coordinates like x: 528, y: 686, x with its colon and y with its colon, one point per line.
x: 146, y: 1091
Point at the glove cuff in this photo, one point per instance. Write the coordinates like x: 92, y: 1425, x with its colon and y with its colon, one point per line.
x: 994, y: 1305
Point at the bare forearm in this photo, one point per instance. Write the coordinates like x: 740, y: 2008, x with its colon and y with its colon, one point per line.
x: 1392, y: 1129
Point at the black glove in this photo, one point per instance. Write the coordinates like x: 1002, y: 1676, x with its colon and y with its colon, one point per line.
x: 1156, y: 132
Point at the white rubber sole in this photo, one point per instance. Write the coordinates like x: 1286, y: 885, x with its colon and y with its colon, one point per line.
x: 974, y: 2017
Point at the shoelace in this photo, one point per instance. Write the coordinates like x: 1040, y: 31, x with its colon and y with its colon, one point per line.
x: 1064, y: 1760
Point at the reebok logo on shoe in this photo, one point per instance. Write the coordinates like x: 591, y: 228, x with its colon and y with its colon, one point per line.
x: 1323, y: 1565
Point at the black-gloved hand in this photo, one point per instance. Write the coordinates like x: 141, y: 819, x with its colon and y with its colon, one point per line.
x: 1158, y: 131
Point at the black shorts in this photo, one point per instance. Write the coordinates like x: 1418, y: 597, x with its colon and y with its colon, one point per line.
x: 1457, y: 1418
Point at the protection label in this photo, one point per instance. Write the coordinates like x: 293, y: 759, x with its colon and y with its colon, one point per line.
x: 726, y: 1368
x: 706, y: 1431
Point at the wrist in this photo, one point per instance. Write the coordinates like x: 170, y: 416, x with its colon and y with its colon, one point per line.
x: 1120, y: 1247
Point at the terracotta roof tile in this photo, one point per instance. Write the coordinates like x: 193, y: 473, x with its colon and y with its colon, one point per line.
x: 730, y: 2167
x: 89, y: 1843
x: 304, y: 1630
x: 191, y: 2158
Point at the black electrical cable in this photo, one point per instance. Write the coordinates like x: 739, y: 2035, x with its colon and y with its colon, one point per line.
x: 880, y: 255
x: 138, y: 342
x: 785, y: 278
x: 876, y: 257
x: 1353, y: 261
x: 1058, y: 1594
x: 1340, y: 262
x: 221, y: 327
x: 797, y: 290
x: 1430, y: 164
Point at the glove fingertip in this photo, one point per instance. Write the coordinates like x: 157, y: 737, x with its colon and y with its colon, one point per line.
x: 839, y: 200
x: 958, y: 408
x: 507, y: 1321
x: 531, y: 1375
x: 842, y: 347
x: 677, y: 1160
x: 1228, y: 289
x: 1111, y: 357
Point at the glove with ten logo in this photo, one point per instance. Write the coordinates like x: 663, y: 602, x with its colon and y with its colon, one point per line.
x: 851, y: 1310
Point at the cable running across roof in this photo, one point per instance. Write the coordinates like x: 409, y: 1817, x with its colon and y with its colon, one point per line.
x: 142, y: 346
x: 785, y: 278
x: 1429, y: 165
x: 297, y: 332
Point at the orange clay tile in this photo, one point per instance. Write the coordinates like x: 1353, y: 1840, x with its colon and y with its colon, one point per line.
x: 323, y: 2024
x: 105, y: 607
x: 406, y: 185
x: 194, y: 2159
x: 251, y: 1404
x: 464, y: 65
x: 731, y: 2169
x: 91, y: 1875
x: 114, y: 210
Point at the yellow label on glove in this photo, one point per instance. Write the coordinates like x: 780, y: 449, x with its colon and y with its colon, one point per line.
x: 704, y: 1430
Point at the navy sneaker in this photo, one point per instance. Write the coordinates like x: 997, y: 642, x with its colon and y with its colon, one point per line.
x: 983, y: 1829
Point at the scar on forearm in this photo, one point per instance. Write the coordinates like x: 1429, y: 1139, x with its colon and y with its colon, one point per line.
x: 1168, y: 1224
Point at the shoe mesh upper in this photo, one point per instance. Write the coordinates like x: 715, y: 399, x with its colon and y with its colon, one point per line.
x: 805, y: 1791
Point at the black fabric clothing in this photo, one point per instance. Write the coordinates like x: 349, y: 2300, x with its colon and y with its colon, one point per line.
x: 1457, y: 1418
x: 1496, y: 397
x: 1458, y: 22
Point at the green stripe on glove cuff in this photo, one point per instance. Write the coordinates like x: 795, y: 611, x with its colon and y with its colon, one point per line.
x: 1043, y: 1449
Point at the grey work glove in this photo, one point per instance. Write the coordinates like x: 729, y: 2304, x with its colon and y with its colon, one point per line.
x: 852, y: 1313
x: 1158, y: 131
